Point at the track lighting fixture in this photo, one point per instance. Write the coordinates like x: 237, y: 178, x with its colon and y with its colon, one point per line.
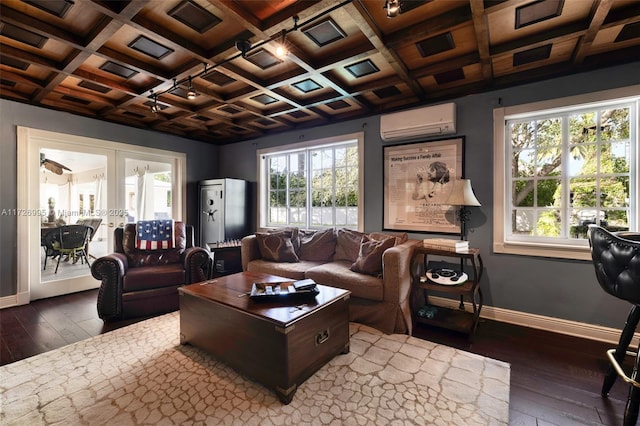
x: 394, y: 8
x: 191, y: 94
x: 244, y: 47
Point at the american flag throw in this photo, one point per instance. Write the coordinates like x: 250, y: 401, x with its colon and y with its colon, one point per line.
x: 155, y: 234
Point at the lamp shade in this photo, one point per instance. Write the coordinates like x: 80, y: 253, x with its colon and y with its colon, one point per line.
x: 462, y: 194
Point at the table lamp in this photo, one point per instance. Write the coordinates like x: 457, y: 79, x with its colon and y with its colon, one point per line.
x: 462, y: 196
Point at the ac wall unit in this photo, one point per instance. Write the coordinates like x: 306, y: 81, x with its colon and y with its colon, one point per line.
x: 418, y: 123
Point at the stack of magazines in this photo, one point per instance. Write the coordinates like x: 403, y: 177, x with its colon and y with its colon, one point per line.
x: 457, y: 246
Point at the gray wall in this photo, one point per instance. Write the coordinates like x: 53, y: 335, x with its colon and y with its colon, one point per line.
x: 202, y: 163
x: 545, y: 286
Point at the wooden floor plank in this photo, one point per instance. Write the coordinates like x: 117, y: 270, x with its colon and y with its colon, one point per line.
x: 555, y: 379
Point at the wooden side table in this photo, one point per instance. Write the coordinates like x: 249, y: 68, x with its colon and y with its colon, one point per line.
x: 454, y: 319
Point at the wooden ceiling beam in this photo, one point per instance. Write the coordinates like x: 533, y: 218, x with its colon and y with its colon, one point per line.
x: 481, y: 28
x: 598, y: 14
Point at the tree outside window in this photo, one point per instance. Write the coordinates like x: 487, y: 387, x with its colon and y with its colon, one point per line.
x: 570, y: 170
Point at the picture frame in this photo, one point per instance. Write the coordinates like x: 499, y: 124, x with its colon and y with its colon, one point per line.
x: 418, y: 178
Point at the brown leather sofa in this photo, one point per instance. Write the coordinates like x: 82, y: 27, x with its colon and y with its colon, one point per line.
x: 141, y: 283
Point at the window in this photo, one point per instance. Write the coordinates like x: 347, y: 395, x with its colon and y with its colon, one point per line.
x: 564, y: 165
x: 312, y: 185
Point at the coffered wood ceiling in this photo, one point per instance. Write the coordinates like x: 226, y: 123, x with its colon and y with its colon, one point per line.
x: 111, y: 59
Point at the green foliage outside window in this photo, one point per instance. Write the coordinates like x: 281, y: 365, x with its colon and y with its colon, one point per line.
x: 597, y: 164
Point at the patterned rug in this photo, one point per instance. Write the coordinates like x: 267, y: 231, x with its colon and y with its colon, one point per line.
x: 140, y: 374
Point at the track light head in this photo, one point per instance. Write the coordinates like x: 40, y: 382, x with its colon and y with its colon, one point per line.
x: 154, y: 106
x: 243, y: 46
x: 394, y: 8
x: 282, y: 50
x: 191, y: 94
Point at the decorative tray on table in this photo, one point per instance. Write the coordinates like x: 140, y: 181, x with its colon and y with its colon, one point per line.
x: 283, y: 291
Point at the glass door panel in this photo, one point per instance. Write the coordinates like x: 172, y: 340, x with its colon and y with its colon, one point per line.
x: 72, y: 189
x: 150, y: 187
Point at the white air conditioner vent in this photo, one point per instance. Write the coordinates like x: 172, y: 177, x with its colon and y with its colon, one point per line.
x: 418, y: 123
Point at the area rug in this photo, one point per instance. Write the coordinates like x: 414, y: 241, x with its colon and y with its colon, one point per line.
x: 140, y: 374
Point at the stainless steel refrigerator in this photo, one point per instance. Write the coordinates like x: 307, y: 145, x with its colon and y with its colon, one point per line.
x: 225, y: 211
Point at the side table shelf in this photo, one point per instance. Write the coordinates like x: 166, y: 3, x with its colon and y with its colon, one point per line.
x: 459, y: 319
x: 225, y: 259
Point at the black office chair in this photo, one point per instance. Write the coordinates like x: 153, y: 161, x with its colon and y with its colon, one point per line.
x: 72, y: 242
x: 616, y: 258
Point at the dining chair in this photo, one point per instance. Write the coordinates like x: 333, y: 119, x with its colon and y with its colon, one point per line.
x: 72, y: 242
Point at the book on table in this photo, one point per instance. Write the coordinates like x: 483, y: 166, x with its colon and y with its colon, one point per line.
x: 446, y: 244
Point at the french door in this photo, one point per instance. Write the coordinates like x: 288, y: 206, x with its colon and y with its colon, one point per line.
x: 66, y: 179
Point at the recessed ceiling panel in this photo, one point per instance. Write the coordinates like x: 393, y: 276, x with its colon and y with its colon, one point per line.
x: 362, y: 68
x: 434, y: 45
x: 22, y: 35
x: 324, y: 32
x: 262, y: 59
x: 14, y: 63
x: 532, y: 55
x: 264, y: 99
x: 93, y: 86
x: 387, y: 92
x: 118, y: 69
x: 538, y: 11
x: 194, y: 16
x: 449, y: 76
x: 150, y: 47
x: 58, y: 8
x: 307, y: 85
x: 629, y: 31
x: 218, y: 78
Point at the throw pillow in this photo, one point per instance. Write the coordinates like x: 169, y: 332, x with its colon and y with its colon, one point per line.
x: 370, y: 257
x: 317, y: 245
x: 276, y: 247
x: 400, y: 238
x: 347, y: 244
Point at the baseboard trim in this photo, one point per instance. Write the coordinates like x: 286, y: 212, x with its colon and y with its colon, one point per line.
x: 14, y: 300
x: 541, y: 322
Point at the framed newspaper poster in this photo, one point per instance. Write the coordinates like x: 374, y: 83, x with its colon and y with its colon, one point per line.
x: 418, y: 178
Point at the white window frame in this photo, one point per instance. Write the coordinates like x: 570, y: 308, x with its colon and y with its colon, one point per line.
x: 263, y: 171
x: 502, y: 166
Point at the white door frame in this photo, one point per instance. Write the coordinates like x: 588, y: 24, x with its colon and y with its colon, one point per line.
x: 29, y: 142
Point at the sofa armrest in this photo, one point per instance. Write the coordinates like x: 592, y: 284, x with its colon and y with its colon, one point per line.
x: 249, y: 250
x: 396, y: 271
x: 198, y: 264
x: 110, y: 270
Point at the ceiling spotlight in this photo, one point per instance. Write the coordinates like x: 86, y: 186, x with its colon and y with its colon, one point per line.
x: 191, y: 94
x: 393, y: 8
x: 281, y: 50
x: 243, y: 46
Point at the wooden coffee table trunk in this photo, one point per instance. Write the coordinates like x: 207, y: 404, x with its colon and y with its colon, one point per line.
x: 277, y: 344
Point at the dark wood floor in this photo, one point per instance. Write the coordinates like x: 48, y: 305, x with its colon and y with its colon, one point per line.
x: 555, y: 379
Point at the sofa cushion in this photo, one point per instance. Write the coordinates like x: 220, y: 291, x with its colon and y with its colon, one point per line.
x: 152, y: 277
x: 400, y: 237
x: 295, y: 271
x: 347, y: 244
x: 338, y: 274
x: 370, y: 257
x: 317, y: 245
x: 276, y: 246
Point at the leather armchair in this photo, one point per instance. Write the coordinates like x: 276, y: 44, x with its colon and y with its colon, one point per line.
x: 138, y: 283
